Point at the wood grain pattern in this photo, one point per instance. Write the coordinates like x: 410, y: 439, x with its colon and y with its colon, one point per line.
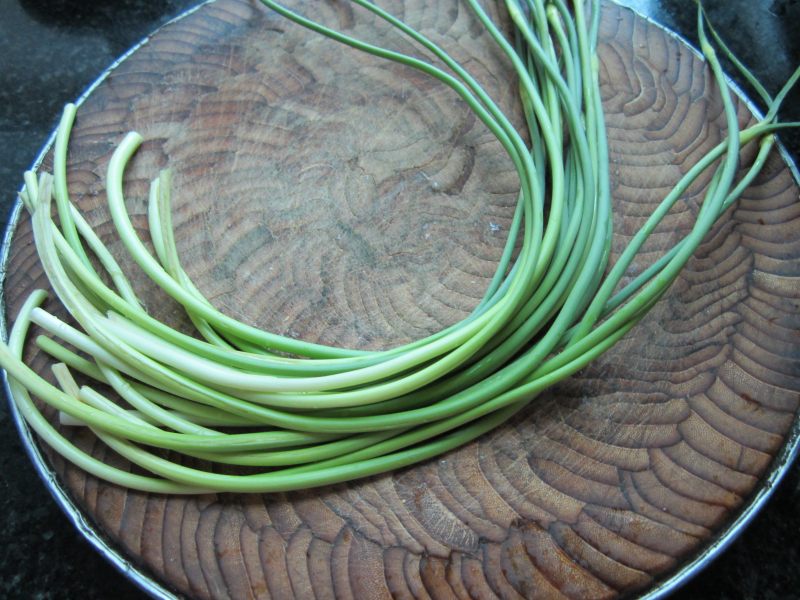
x: 326, y: 195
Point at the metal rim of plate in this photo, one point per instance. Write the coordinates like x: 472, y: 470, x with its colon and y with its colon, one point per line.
x: 781, y: 463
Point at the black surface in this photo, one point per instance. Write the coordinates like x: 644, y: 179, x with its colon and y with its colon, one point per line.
x: 50, y: 51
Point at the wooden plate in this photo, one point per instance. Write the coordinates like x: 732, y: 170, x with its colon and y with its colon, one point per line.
x: 327, y: 195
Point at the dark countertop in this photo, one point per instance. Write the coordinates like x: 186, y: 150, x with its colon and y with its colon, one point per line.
x: 50, y: 51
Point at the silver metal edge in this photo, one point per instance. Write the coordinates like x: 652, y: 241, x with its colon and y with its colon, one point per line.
x: 87, y: 529
x: 781, y: 463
